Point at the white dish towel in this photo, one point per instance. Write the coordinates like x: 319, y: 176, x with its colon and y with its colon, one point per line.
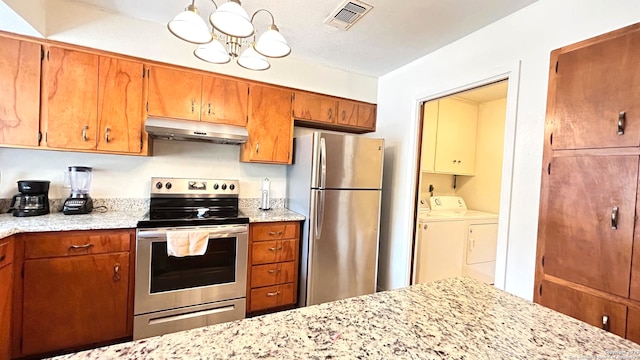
x: 187, y: 243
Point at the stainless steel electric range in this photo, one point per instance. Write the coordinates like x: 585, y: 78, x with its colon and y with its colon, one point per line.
x: 179, y: 293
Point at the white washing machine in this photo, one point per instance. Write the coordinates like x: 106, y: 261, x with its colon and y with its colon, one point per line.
x: 453, y: 241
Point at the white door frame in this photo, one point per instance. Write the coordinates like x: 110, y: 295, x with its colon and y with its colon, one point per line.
x: 512, y: 74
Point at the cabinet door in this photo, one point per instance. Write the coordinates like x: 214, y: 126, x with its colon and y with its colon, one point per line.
x: 482, y: 241
x: 74, y: 301
x: 633, y: 325
x: 174, y: 94
x: 347, y: 113
x: 439, y: 252
x: 224, y: 101
x: 367, y: 116
x: 120, y: 102
x: 581, y: 244
x: 270, y: 126
x: 19, y: 92
x: 456, y: 137
x: 6, y: 287
x: 429, y: 131
x: 72, y: 98
x: 594, y: 84
x: 585, y: 307
x: 315, y: 107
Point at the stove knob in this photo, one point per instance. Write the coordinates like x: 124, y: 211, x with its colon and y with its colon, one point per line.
x: 224, y: 186
x: 231, y: 187
x: 158, y: 185
x: 215, y: 186
x: 168, y: 185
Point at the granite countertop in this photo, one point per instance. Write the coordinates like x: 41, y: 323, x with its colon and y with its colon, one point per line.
x: 275, y: 214
x: 457, y: 318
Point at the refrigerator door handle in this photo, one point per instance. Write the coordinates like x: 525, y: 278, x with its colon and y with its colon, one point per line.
x: 323, y: 163
x: 319, y: 214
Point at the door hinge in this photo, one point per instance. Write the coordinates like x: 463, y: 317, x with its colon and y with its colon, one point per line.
x: 39, y: 137
x: 46, y: 137
x: 293, y: 96
x: 549, y: 168
x: 556, y: 67
x: 551, y: 139
x: 147, y: 106
x: 144, y: 71
x: 540, y: 290
x: 47, y: 55
x: 542, y: 261
x: 247, y: 120
x: 41, y: 54
x: 141, y: 144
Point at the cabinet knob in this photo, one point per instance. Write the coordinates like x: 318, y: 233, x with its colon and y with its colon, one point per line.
x: 257, y: 148
x: 330, y: 114
x: 84, y: 132
x: 116, y: 272
x: 621, y: 120
x: 605, y: 323
x: 106, y: 135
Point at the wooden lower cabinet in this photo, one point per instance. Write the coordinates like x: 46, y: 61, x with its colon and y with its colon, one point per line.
x: 6, y: 293
x: 77, y: 290
x: 633, y: 324
x: 272, y: 276
x: 589, y: 308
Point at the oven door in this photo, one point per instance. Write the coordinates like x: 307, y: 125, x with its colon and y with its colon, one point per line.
x: 166, y: 282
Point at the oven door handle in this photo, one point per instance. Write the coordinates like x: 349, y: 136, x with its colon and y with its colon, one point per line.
x: 223, y: 231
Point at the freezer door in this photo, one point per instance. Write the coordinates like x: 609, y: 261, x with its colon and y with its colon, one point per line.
x: 348, y: 162
x: 343, y: 245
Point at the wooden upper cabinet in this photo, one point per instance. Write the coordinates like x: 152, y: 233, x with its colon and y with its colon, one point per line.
x: 367, y: 116
x: 174, y: 93
x: 19, y: 92
x: 590, y: 221
x: 315, y: 107
x: 270, y: 126
x: 357, y: 114
x: 591, y: 93
x: 224, y: 101
x: 120, y: 110
x: 71, y: 97
x: 589, y: 308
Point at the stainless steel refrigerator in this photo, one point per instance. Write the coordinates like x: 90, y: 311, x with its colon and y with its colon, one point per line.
x: 336, y: 182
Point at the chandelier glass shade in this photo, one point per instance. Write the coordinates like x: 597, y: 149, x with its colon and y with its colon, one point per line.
x: 235, y: 26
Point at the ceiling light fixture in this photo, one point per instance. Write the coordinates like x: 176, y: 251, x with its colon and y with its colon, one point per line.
x: 234, y: 26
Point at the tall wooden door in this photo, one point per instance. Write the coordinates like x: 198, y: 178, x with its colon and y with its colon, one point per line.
x: 224, y: 101
x: 592, y: 92
x: 591, y: 309
x: 120, y: 100
x: 590, y: 220
x: 19, y: 92
x: 270, y: 126
x: 73, y: 301
x: 71, y: 99
x: 174, y: 94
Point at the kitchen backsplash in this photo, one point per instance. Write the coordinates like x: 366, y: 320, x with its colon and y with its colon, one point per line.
x: 136, y: 204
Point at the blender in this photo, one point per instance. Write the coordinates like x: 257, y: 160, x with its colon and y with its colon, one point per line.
x: 79, y: 202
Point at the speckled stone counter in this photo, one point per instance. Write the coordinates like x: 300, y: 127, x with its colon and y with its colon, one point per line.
x: 10, y: 224
x: 450, y: 319
x: 275, y: 214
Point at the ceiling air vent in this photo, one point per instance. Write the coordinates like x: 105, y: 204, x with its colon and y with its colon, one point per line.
x: 347, y: 14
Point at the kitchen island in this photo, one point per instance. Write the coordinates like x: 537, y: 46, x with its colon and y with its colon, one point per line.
x: 457, y: 318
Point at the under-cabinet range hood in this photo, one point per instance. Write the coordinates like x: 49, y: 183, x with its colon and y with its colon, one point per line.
x: 195, y: 131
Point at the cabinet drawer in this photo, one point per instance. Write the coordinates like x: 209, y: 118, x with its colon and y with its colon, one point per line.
x: 586, y: 307
x: 6, y: 252
x: 272, y: 296
x: 76, y: 243
x: 272, y: 274
x: 267, y: 252
x: 264, y: 232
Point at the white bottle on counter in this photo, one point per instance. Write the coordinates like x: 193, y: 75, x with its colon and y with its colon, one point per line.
x: 265, y: 194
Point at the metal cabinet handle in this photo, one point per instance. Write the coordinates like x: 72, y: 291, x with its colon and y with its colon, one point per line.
x: 344, y: 115
x: 274, y: 233
x: 275, y: 248
x: 273, y: 271
x: 4, y: 256
x: 76, y: 247
x: 116, y: 272
x: 257, y: 148
x: 330, y: 114
x: 605, y: 323
x: 273, y: 293
x: 84, y: 132
x: 106, y: 135
x: 621, y: 120
x: 614, y: 218
x: 454, y: 161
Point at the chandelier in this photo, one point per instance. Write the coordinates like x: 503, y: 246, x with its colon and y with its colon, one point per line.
x: 234, y: 26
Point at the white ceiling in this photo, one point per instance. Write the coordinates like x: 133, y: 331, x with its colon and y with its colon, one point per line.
x: 391, y: 35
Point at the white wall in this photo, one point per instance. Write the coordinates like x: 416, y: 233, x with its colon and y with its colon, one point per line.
x: 120, y: 176
x: 529, y: 36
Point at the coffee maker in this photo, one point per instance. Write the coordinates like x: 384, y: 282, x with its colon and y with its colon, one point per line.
x: 33, y: 199
x: 79, y: 202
